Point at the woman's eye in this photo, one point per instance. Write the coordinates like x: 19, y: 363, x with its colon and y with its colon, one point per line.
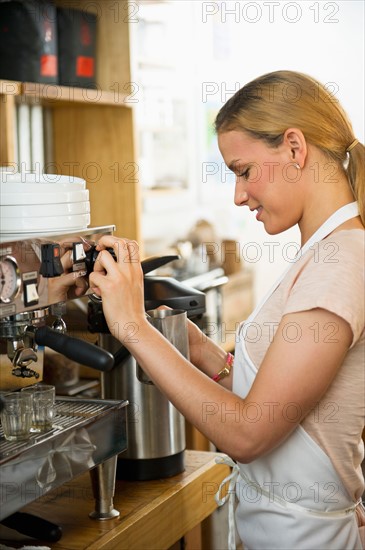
x: 245, y: 174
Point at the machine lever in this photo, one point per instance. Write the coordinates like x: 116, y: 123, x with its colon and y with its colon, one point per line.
x: 150, y: 264
x: 75, y: 349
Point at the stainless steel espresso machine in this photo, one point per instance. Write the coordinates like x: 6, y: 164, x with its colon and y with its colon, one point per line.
x: 87, y: 435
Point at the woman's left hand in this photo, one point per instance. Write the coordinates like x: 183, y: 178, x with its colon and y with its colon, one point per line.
x: 70, y: 284
x: 120, y: 285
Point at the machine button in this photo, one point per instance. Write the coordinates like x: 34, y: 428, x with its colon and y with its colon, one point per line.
x: 78, y: 252
x: 78, y: 257
x: 31, y: 296
x: 51, y: 265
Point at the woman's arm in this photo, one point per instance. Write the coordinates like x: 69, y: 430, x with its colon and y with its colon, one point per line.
x: 292, y: 378
x: 206, y: 355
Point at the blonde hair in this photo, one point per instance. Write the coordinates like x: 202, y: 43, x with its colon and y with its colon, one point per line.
x: 265, y: 107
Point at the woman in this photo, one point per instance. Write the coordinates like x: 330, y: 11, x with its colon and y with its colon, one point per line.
x: 298, y: 387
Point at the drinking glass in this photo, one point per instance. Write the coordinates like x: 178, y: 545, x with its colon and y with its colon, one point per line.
x: 43, y: 406
x: 16, y: 415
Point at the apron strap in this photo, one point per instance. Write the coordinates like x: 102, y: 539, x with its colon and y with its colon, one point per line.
x: 339, y: 217
x: 292, y: 506
x: 230, y: 496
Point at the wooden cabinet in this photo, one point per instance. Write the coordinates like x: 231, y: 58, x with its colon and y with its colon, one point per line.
x: 237, y: 305
x: 153, y: 515
x: 93, y: 133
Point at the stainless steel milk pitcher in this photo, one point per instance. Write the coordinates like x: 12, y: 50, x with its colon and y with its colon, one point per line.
x: 156, y: 429
x: 172, y: 323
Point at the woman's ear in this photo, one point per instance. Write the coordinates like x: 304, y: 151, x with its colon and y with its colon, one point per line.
x: 296, y: 144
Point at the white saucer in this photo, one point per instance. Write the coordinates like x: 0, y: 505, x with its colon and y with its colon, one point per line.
x: 60, y: 196
x: 31, y: 178
x: 42, y: 225
x: 42, y: 210
x: 41, y: 188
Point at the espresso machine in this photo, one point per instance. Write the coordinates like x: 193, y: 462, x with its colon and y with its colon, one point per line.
x: 87, y: 434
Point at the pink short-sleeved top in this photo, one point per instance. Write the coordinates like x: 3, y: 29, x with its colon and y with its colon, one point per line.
x: 331, y: 276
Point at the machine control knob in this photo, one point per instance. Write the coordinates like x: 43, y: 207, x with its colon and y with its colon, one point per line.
x: 91, y: 255
x: 51, y: 265
x: 148, y: 265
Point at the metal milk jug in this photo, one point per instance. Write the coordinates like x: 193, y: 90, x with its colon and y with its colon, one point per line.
x: 156, y: 429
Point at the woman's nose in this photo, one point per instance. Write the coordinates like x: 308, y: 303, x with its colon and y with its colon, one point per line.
x: 240, y: 195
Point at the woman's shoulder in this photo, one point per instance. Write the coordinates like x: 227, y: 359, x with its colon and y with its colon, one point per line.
x: 331, y: 276
x: 334, y: 263
x: 346, y: 245
x: 355, y: 235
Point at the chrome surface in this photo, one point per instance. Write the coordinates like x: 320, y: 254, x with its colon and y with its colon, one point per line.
x: 85, y: 433
x: 156, y: 429
x: 26, y: 253
x: 28, y: 298
x: 103, y: 483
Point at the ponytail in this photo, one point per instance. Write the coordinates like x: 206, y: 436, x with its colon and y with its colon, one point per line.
x: 356, y: 175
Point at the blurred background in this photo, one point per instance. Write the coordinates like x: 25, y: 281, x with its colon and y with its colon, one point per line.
x: 214, y: 48
x: 124, y: 95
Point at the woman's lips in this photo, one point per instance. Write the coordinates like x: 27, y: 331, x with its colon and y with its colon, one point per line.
x: 259, y: 211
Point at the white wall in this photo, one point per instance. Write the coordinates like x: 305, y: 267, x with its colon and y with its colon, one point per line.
x: 231, y: 43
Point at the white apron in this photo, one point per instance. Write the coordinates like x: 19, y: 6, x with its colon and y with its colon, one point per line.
x: 292, y: 498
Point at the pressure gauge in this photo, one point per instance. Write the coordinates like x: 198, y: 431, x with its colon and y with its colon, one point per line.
x: 9, y: 279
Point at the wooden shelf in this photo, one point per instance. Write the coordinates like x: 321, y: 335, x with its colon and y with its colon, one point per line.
x: 10, y: 87
x: 153, y: 514
x: 54, y: 93
x: 93, y: 130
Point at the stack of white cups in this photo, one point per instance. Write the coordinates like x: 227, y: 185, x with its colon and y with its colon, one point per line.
x: 42, y: 203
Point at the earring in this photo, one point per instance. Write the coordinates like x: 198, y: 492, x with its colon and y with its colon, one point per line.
x: 296, y: 165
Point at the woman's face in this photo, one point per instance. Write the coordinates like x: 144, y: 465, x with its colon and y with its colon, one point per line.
x: 267, y: 180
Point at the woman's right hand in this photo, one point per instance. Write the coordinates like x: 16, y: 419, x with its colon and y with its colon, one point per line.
x: 119, y: 282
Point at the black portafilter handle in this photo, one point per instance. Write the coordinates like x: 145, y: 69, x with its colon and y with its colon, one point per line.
x: 148, y: 265
x: 33, y: 526
x: 75, y: 349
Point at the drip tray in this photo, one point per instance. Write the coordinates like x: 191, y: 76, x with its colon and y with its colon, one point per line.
x: 78, y: 387
x: 84, y: 434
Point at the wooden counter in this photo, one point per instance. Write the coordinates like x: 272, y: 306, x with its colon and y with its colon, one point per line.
x: 153, y: 514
